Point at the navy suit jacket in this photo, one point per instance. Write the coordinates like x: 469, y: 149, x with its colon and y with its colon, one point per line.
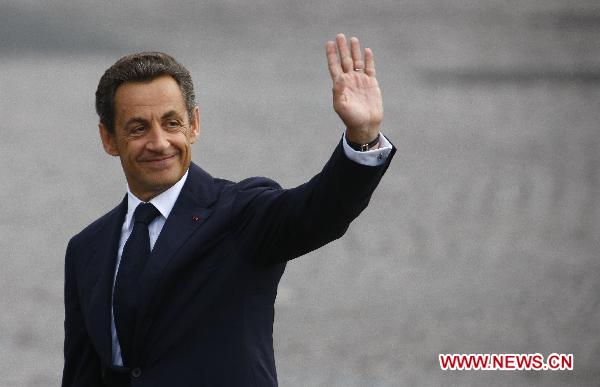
x: 207, y: 293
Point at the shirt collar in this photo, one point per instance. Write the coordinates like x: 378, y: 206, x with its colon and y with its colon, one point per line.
x: 164, y: 202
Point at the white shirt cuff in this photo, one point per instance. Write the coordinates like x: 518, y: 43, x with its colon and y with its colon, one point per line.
x: 373, y: 157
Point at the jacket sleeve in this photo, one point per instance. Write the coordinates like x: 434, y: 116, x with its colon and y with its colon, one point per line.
x: 278, y: 224
x: 81, y: 363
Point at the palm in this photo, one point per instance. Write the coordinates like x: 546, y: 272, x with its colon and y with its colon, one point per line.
x: 356, y: 95
x: 357, y: 100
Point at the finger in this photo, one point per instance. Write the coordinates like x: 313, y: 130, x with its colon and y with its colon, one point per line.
x: 369, y: 63
x: 332, y: 60
x: 345, y: 57
x: 356, y: 55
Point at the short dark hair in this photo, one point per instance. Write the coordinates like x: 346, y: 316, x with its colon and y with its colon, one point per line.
x: 140, y: 67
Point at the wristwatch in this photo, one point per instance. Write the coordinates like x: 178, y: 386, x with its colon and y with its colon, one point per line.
x: 363, y: 147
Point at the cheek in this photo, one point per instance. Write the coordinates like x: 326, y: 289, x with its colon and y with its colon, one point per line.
x: 133, y: 150
x: 184, y: 140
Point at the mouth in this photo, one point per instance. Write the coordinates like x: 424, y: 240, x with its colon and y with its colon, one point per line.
x: 158, y: 159
x: 159, y: 162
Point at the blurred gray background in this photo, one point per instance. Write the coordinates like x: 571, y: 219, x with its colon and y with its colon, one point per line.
x: 482, y: 238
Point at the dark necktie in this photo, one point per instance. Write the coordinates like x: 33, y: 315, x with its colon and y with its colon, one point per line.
x: 133, y: 259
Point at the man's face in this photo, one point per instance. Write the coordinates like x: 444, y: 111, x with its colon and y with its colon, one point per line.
x: 153, y: 135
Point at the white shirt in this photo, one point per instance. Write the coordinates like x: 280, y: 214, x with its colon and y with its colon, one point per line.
x: 164, y: 204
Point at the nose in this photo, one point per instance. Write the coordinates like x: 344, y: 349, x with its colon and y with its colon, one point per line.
x: 157, y: 139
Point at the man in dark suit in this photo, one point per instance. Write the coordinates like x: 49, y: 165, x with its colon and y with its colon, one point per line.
x: 176, y: 285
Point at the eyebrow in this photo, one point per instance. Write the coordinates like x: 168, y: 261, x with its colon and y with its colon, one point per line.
x: 140, y: 120
x: 171, y: 113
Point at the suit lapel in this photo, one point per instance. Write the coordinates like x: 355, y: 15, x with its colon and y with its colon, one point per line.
x: 103, y: 261
x: 188, y: 214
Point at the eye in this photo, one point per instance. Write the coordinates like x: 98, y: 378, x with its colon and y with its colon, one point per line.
x: 172, y: 124
x: 137, y: 130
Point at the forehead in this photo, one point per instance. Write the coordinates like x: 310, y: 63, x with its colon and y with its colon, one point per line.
x: 146, y: 99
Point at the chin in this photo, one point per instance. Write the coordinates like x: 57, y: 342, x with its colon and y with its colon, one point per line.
x: 165, y: 182
x: 160, y: 181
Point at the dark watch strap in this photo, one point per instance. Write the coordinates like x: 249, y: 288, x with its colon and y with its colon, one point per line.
x: 363, y: 147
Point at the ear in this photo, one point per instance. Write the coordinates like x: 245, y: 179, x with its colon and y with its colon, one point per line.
x: 108, y: 140
x: 195, y: 125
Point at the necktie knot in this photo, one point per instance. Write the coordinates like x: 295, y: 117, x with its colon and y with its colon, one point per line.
x: 145, y: 213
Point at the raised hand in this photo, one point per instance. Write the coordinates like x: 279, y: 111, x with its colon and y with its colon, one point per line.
x: 356, y: 95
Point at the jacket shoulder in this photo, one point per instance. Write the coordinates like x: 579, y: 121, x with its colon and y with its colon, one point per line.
x: 97, y: 226
x: 257, y: 182
x: 249, y: 185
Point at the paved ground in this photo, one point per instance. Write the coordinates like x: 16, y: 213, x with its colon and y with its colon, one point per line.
x: 482, y: 238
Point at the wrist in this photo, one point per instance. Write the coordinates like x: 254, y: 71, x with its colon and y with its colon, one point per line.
x: 362, y: 135
x: 363, y: 145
